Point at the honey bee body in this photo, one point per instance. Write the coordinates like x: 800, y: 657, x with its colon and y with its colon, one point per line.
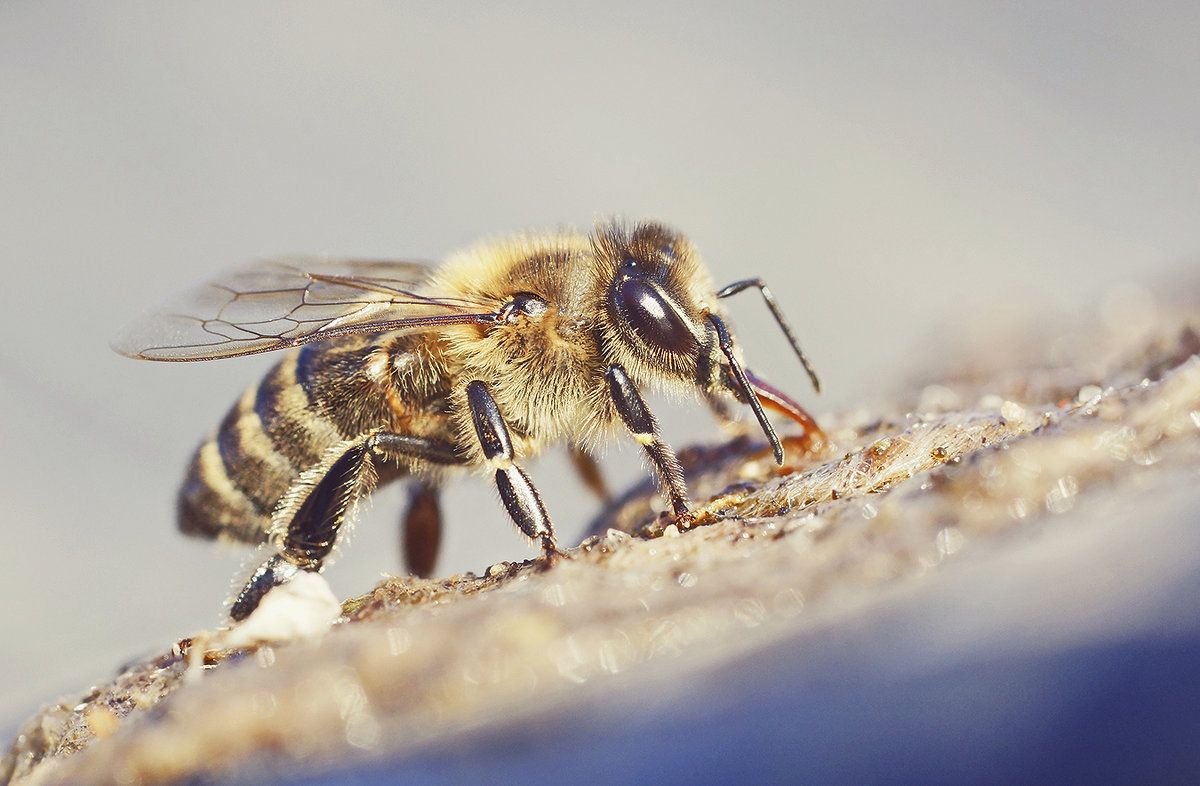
x: 401, y: 370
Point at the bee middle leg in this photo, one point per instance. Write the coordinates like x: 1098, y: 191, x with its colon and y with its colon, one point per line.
x: 313, y: 527
x: 520, y: 498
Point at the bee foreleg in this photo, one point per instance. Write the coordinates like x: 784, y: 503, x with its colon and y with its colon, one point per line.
x: 641, y: 423
x: 520, y: 498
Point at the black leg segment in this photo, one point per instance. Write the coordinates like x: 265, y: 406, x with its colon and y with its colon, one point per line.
x: 270, y: 574
x: 633, y: 411
x: 429, y: 451
x: 313, y: 529
x: 317, y: 505
x: 489, y: 424
x: 743, y: 382
x: 524, y: 503
x: 520, y: 498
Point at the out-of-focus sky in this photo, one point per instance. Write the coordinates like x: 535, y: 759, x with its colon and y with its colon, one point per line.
x: 893, y: 171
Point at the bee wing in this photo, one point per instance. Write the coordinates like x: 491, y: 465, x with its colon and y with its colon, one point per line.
x: 283, y: 303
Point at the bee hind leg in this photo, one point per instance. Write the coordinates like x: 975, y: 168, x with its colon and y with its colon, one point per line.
x: 517, y: 492
x: 331, y: 489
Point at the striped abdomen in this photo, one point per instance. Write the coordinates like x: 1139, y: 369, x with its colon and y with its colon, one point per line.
x: 315, y: 397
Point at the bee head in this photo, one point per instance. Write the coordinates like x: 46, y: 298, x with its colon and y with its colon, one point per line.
x: 660, y: 303
x: 657, y: 295
x: 665, y: 323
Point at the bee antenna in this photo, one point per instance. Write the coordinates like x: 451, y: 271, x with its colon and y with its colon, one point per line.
x: 758, y: 284
x: 740, y: 375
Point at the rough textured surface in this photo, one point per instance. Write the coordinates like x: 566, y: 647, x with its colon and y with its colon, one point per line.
x: 996, y: 453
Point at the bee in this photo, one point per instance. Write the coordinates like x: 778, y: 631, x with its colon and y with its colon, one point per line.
x: 403, y: 370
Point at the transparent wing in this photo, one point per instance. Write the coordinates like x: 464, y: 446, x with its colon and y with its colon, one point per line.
x: 284, y: 303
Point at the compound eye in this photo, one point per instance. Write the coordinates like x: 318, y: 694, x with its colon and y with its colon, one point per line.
x: 652, y: 317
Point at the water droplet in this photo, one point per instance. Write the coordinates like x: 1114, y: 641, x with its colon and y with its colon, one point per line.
x: 749, y: 612
x: 949, y: 540
x: 399, y: 640
x: 1018, y: 508
x: 554, y: 595
x: 1061, y: 497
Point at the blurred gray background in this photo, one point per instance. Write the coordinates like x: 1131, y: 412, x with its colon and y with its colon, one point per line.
x: 872, y: 161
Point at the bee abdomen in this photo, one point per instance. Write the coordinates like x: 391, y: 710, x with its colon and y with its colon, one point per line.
x: 240, y: 473
x: 211, y: 505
